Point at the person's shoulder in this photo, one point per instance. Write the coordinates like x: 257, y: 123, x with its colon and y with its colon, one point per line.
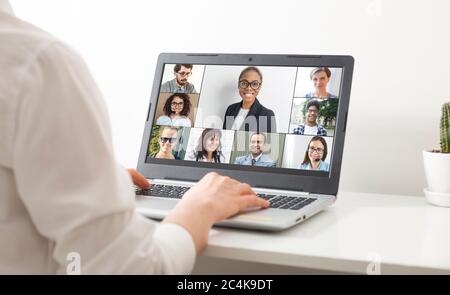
x: 20, y: 30
x: 332, y: 96
x: 266, y: 158
x: 163, y: 120
x: 303, y: 166
x: 163, y: 117
x: 266, y: 161
x: 266, y: 111
x: 184, y: 122
x: 168, y: 82
x: 24, y: 46
x: 325, y: 165
x: 240, y: 159
x: 299, y: 129
x: 190, y: 88
x: 25, y: 41
x: 165, y: 87
x: 232, y: 107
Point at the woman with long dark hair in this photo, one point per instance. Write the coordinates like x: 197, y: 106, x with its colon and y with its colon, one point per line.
x: 315, y: 155
x: 209, y: 147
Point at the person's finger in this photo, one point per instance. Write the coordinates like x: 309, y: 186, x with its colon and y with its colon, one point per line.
x: 245, y: 189
x: 252, y: 201
x: 139, y: 179
x: 263, y: 203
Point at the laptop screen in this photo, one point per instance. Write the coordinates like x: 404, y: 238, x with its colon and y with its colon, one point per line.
x: 262, y: 118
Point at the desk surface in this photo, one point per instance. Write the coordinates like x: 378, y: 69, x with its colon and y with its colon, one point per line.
x: 405, y: 234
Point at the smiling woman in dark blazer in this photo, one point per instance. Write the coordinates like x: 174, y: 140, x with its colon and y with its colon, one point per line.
x: 249, y: 114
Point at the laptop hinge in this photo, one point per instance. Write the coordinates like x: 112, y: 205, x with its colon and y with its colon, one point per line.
x: 281, y: 191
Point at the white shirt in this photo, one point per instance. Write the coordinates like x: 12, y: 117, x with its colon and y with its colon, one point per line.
x: 61, y: 190
x: 310, y: 130
x: 181, y: 121
x: 240, y: 118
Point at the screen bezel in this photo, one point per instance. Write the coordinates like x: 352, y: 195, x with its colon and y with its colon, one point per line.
x: 276, y: 178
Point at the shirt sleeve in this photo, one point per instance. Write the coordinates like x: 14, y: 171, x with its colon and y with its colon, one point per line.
x: 78, y: 198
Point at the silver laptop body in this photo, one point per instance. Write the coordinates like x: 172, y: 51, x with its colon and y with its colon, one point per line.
x: 295, y: 192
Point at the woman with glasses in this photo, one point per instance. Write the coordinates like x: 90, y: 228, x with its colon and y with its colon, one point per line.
x: 176, y: 110
x: 315, y: 155
x: 249, y: 114
x: 209, y: 147
x: 167, y: 139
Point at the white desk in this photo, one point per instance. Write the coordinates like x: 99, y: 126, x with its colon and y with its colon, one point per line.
x: 406, y: 233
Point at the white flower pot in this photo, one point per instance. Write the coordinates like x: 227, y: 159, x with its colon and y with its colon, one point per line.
x: 437, y: 172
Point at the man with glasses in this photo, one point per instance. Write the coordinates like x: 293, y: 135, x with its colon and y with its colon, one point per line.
x: 256, y: 157
x: 180, y: 83
x: 167, y: 139
x: 310, y: 126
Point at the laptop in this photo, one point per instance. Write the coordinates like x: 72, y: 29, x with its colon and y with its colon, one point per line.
x: 276, y: 122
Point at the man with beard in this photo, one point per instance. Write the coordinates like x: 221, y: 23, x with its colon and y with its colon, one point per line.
x: 180, y: 84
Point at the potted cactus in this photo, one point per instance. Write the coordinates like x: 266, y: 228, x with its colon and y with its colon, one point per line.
x: 437, y: 165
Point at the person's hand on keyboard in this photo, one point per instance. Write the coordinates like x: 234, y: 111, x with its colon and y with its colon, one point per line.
x: 139, y: 180
x: 212, y: 199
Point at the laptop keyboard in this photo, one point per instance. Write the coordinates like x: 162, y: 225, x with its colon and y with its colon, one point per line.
x: 177, y: 192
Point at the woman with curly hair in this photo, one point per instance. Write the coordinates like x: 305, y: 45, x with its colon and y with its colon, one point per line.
x: 176, y: 110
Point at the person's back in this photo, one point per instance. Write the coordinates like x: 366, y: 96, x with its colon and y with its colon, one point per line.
x: 19, y: 42
x: 61, y: 191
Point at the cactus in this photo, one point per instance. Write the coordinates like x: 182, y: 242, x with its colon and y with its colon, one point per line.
x: 445, y: 131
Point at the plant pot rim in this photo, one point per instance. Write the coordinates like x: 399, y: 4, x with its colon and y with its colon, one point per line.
x: 435, y: 152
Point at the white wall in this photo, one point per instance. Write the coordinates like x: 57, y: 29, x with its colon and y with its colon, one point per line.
x: 401, y: 77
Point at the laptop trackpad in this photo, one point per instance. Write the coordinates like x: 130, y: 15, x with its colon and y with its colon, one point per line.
x: 157, y: 203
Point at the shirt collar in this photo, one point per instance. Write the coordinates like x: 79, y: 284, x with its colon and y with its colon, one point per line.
x: 257, y: 158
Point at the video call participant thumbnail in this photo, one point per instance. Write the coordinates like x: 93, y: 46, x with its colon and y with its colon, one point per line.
x: 180, y: 83
x: 310, y: 126
x: 256, y: 156
x: 166, y: 141
x: 315, y: 155
x: 320, y: 77
x: 208, y: 147
x: 176, y: 110
x: 249, y: 114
